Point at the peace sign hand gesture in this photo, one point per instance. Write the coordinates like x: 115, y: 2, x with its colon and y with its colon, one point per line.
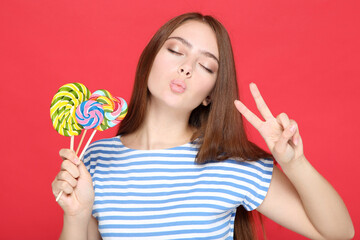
x: 281, y: 134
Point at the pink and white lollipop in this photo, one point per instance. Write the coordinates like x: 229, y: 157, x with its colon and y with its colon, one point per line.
x: 89, y: 114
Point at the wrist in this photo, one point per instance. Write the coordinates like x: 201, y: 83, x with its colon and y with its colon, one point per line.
x: 80, y: 218
x: 78, y: 210
x: 75, y: 227
x: 294, y: 164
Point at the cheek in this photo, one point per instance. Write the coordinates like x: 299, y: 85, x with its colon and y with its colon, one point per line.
x: 155, y: 69
x: 204, y: 89
x: 208, y: 84
x: 155, y: 72
x: 160, y: 64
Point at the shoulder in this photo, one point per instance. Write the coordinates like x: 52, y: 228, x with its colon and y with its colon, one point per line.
x: 102, y: 146
x: 249, y: 179
x: 263, y: 166
x: 105, y: 142
x: 100, y: 150
x: 257, y: 173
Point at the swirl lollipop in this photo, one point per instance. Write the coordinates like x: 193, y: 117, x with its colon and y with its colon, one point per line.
x: 89, y: 114
x: 63, y: 107
x: 62, y: 111
x: 115, y: 108
x: 120, y: 111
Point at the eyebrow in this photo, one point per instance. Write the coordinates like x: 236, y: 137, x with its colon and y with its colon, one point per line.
x: 186, y: 43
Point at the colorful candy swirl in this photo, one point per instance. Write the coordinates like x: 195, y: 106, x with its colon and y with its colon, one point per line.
x: 115, y: 108
x: 63, y: 107
x: 89, y: 114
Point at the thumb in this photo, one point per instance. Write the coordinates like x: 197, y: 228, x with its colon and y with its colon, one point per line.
x: 83, y: 170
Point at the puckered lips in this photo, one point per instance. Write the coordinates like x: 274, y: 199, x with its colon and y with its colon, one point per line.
x: 177, y: 86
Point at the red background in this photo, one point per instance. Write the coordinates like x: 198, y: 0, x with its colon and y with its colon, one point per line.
x: 304, y: 56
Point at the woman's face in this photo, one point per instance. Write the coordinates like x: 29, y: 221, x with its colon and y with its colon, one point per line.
x: 185, y: 69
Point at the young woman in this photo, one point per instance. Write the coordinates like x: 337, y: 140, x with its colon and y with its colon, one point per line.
x: 181, y: 166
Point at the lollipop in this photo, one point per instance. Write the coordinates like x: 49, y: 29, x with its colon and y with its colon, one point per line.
x: 89, y: 114
x: 115, y: 108
x: 62, y: 111
x: 63, y: 107
x: 120, y: 107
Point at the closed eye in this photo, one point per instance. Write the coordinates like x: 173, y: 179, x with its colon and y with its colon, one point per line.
x: 174, y: 52
x: 207, y: 69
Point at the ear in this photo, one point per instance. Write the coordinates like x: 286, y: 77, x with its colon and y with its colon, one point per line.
x: 206, y: 101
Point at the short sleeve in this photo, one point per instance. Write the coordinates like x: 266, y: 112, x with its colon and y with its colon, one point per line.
x: 259, y: 183
x: 88, y: 161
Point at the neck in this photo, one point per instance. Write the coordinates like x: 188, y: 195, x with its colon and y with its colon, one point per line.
x: 163, y: 127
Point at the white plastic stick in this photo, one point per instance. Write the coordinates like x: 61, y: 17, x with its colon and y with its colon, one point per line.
x: 59, y: 196
x: 82, y: 139
x: 87, y: 144
x: 71, y: 148
x: 72, y: 142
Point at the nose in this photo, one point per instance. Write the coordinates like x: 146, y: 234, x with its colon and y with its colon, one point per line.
x: 185, y: 70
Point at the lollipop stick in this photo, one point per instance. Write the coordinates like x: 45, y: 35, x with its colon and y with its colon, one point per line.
x: 82, y: 139
x: 87, y: 144
x: 71, y: 148
x: 59, y: 196
x: 72, y: 143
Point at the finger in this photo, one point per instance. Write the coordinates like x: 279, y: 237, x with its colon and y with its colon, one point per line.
x: 283, y: 120
x: 287, y: 134
x: 83, y: 170
x: 251, y: 117
x: 66, y: 176
x: 296, y: 138
x: 54, y: 187
x: 70, y: 155
x: 64, y: 186
x: 260, y: 103
x: 70, y: 167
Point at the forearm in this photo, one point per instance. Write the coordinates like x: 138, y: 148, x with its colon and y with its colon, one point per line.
x: 323, y: 205
x: 75, y: 228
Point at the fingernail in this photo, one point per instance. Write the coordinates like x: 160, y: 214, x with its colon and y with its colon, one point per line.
x: 296, y: 141
x: 292, y: 128
x: 76, y: 160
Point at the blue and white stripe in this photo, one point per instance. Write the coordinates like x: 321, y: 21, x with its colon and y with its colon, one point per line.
x: 164, y: 194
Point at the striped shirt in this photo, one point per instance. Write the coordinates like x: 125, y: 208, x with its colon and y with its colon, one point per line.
x: 164, y: 194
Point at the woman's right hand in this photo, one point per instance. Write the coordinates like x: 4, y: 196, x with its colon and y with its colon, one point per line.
x: 74, y: 179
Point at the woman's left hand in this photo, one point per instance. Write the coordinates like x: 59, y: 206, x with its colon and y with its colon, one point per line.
x: 281, y: 134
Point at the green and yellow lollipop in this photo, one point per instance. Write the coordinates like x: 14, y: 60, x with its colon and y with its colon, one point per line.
x: 63, y: 107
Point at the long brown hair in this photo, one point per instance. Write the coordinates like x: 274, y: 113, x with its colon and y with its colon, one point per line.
x: 219, y: 126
